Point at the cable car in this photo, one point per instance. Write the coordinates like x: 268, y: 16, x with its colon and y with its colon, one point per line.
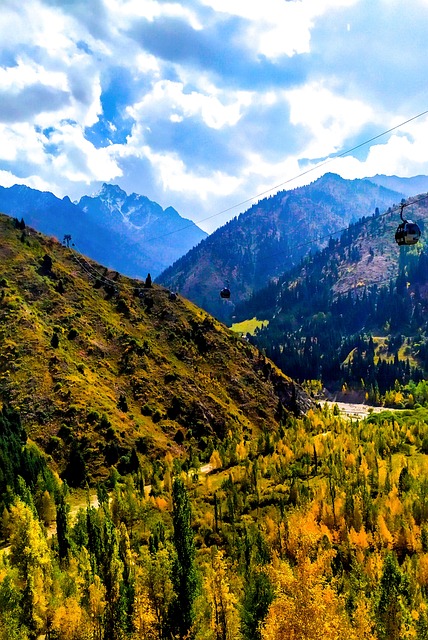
x: 408, y: 232
x: 225, y: 292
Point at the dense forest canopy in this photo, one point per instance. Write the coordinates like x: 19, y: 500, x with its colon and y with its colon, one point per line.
x: 316, y: 529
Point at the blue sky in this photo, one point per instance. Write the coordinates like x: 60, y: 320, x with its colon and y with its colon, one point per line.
x: 203, y: 104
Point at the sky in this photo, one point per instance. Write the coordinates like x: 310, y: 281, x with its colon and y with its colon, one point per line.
x: 209, y: 105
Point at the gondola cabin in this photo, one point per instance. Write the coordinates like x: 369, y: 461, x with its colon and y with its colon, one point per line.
x: 225, y: 293
x: 407, y: 233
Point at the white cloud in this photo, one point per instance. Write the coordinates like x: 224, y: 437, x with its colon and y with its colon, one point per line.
x: 22, y: 142
x: 8, y: 179
x: 330, y: 118
x: 278, y: 27
x: 78, y: 160
x: 27, y: 73
x: 176, y: 177
x: 169, y: 100
x: 404, y: 154
x: 231, y: 98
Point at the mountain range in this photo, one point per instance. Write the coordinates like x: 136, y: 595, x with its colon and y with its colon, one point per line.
x: 271, y: 237
x: 409, y: 186
x: 128, y: 233
x: 135, y: 236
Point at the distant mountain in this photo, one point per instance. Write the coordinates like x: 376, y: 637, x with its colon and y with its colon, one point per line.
x: 408, y: 186
x: 128, y: 233
x: 271, y: 237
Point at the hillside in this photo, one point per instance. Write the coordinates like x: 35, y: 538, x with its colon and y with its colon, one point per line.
x: 354, y: 313
x: 99, y: 365
x: 271, y: 237
x: 301, y: 526
x: 128, y: 233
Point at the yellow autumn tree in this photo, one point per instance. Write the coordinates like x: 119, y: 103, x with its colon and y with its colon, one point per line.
x: 96, y: 607
x: 30, y: 554
x: 306, y: 606
x: 144, y: 616
x: 69, y: 620
x: 154, y: 583
x: 215, y: 460
x: 224, y: 621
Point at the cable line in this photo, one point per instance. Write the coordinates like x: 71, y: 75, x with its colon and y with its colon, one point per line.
x: 96, y: 275
x: 300, y: 175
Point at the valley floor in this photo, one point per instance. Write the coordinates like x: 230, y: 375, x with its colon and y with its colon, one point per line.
x: 355, y: 410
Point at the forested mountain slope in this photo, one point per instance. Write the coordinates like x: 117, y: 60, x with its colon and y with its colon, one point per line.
x: 354, y: 313
x: 101, y: 366
x: 271, y: 237
x: 302, y: 525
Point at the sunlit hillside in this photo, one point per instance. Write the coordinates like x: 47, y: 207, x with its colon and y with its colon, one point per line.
x: 96, y: 362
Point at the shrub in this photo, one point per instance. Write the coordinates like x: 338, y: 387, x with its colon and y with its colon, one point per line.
x: 110, y: 433
x: 93, y: 416
x: 143, y: 444
x: 122, y: 306
x: 122, y: 403
x: 146, y: 410
x: 54, y: 444
x: 157, y: 416
x: 104, y: 422
x: 47, y: 263
x: 65, y: 432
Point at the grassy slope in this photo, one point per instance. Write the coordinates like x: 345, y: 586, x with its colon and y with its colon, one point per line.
x: 185, y: 376
x: 249, y: 326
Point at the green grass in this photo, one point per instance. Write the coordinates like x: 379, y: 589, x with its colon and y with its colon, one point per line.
x: 249, y: 326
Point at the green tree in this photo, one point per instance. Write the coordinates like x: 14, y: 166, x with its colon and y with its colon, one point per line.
x: 62, y: 525
x: 184, y: 571
x: 391, y: 610
x: 258, y: 595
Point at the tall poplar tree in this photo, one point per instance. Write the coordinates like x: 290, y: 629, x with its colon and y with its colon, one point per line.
x: 184, y: 571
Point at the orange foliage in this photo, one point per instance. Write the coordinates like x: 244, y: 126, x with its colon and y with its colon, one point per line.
x: 360, y: 539
x: 215, y: 460
x: 422, y: 570
x: 385, y: 537
x: 68, y: 620
x: 350, y: 461
x: 303, y: 526
x: 306, y: 606
x: 284, y: 451
x: 241, y: 450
